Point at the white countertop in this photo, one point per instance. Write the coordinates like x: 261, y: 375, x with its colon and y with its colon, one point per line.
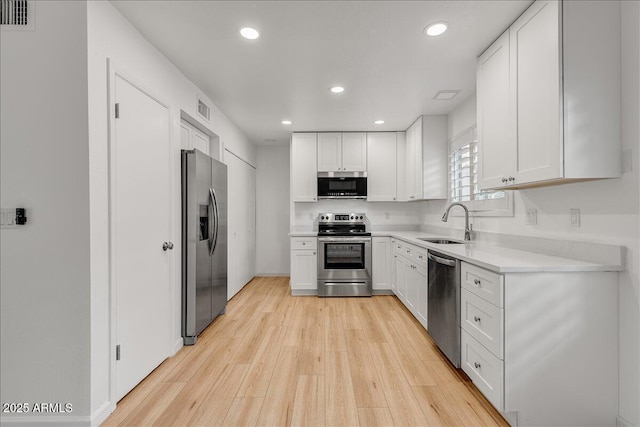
x: 492, y: 257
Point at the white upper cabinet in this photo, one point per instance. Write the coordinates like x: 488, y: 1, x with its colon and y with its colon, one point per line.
x: 354, y: 152
x: 304, y: 184
x: 381, y: 164
x: 561, y: 122
x: 426, y: 159
x: 329, y: 152
x: 191, y: 137
x: 342, y: 152
x: 535, y: 96
x: 494, y: 152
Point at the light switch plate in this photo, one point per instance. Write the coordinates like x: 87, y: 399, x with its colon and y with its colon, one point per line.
x: 574, y: 215
x: 532, y: 216
x: 8, y: 218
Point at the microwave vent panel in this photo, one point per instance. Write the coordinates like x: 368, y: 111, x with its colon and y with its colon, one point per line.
x: 16, y: 14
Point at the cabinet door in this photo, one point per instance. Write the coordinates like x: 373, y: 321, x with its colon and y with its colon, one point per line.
x: 495, y: 157
x: 536, y: 93
x: 304, y: 179
x: 392, y: 264
x: 401, y: 167
x: 329, y: 152
x: 411, y: 292
x: 401, y: 277
x: 433, y: 168
x: 410, y: 161
x: 421, y: 295
x: 304, y: 269
x: 417, y: 159
x: 381, y: 263
x: 200, y: 141
x: 191, y: 137
x: 354, y: 152
x: 381, y: 166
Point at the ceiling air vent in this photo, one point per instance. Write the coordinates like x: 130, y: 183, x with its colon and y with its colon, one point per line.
x: 204, y: 110
x: 15, y: 13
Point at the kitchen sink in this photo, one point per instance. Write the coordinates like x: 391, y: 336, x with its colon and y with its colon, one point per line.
x: 440, y: 240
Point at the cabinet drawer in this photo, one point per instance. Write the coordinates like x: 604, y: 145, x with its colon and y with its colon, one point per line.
x: 419, y: 256
x: 485, y: 370
x: 483, y: 321
x: 483, y: 283
x: 304, y: 243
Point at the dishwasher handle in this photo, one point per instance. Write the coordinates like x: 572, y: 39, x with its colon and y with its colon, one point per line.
x: 439, y: 260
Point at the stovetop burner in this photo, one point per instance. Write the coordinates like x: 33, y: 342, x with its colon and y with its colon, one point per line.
x: 351, y: 224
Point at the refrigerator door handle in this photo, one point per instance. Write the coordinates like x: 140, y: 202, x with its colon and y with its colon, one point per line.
x: 213, y: 239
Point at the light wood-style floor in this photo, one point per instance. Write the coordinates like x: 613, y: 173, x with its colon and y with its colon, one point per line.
x: 278, y: 360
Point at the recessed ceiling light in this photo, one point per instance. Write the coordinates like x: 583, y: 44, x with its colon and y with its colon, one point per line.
x: 249, y: 33
x: 286, y: 122
x: 445, y: 95
x: 435, y: 29
x: 337, y: 89
x: 378, y: 122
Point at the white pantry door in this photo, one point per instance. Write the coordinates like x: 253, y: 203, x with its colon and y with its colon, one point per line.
x: 141, y: 223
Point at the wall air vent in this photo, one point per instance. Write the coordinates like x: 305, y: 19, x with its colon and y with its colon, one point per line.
x: 203, y: 109
x: 15, y: 12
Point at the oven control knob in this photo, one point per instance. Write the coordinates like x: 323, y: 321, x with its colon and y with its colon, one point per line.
x: 351, y: 216
x: 360, y: 216
x: 322, y: 217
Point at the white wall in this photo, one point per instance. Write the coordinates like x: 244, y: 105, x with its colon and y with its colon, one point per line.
x: 111, y: 36
x: 609, y: 213
x: 272, y: 206
x: 44, y: 267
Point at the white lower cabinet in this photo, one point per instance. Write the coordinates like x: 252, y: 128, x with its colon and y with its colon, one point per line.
x: 484, y: 368
x: 304, y: 265
x: 530, y: 342
x: 381, y: 251
x: 411, y: 279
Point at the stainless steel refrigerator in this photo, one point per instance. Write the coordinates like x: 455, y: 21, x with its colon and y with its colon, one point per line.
x: 204, y: 242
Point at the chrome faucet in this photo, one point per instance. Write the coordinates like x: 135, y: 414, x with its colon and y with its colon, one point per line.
x: 467, y: 227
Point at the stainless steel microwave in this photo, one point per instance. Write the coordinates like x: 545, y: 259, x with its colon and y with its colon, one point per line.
x: 342, y: 185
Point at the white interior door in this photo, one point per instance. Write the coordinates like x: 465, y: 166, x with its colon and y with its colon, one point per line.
x: 242, y: 223
x: 141, y: 223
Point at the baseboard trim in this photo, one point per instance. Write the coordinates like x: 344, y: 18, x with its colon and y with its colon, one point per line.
x: 273, y: 274
x: 382, y: 292
x: 102, y: 413
x: 177, y: 346
x: 304, y: 292
x: 61, y: 421
x: 621, y: 422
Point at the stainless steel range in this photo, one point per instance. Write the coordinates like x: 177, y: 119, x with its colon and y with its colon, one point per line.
x: 344, y: 255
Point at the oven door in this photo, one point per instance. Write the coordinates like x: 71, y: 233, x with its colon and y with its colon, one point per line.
x: 344, y: 258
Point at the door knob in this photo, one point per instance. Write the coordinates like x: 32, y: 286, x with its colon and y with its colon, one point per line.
x: 167, y: 245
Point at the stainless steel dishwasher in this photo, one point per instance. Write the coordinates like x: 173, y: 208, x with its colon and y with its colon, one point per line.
x: 443, y: 312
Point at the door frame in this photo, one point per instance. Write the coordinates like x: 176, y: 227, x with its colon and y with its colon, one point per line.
x: 114, y: 71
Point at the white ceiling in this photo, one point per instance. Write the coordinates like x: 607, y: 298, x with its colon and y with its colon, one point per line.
x: 375, y: 49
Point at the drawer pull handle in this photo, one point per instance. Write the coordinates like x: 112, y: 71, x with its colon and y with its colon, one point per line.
x: 304, y: 243
x: 477, y: 365
x: 314, y: 253
x: 477, y: 282
x: 476, y: 318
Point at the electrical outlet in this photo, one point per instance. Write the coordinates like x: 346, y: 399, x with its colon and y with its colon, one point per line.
x: 574, y: 215
x: 532, y: 216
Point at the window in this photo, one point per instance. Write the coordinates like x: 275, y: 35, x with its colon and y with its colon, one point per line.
x: 463, y: 179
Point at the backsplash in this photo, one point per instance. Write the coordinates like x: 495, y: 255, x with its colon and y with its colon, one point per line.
x: 380, y: 215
